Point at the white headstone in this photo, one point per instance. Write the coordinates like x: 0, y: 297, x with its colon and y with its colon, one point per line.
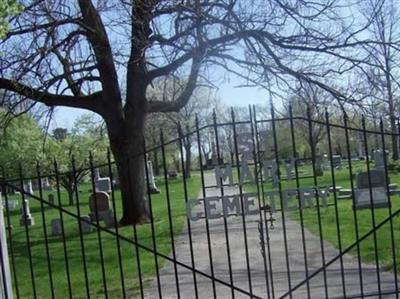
x: 28, y: 187
x: 5, y: 274
x: 103, y: 185
x: 10, y: 204
x: 26, y: 217
x: 46, y: 184
x: 325, y: 162
x: 152, y: 184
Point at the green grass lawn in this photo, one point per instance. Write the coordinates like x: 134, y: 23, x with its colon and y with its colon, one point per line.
x: 346, y: 216
x: 147, y: 263
x: 91, y: 245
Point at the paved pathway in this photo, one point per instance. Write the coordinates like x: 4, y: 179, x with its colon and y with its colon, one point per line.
x: 258, y: 280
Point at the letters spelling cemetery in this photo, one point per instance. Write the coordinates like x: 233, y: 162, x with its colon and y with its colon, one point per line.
x: 290, y: 199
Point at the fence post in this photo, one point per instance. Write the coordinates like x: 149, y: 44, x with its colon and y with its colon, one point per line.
x: 5, y: 274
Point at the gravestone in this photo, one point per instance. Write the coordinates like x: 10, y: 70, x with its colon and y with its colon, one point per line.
x: 319, y: 171
x: 101, y: 200
x: 172, y: 175
x: 336, y: 161
x: 46, y: 184
x: 86, y: 226
x: 377, y: 188
x: 103, y: 185
x: 10, y: 204
x: 28, y: 188
x: 379, y: 159
x: 26, y: 217
x: 325, y: 162
x: 50, y: 198
x: 56, y: 227
x: 152, y: 183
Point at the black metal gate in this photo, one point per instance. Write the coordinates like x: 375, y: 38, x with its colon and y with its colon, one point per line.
x: 289, y: 207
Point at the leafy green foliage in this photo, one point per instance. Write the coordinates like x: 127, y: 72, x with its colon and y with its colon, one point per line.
x: 21, y: 142
x: 7, y: 8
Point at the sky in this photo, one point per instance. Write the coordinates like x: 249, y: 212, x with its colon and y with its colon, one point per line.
x: 228, y: 93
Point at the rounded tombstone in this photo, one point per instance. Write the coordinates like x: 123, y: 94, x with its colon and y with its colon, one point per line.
x: 99, y: 200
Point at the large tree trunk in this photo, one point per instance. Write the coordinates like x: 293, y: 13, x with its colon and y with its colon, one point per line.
x: 126, y: 141
x: 68, y: 184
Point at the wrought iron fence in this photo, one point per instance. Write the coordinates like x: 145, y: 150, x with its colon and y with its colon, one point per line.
x: 271, y: 210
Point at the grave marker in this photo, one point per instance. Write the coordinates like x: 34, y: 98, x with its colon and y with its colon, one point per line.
x: 28, y: 188
x: 103, y: 185
x: 101, y: 200
x: 152, y: 183
x: 379, y: 159
x: 337, y: 161
x: 10, y: 204
x: 377, y: 188
x: 86, y: 225
x: 56, y: 227
x: 26, y: 217
x: 319, y: 171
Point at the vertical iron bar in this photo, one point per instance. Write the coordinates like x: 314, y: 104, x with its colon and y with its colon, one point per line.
x: 171, y: 227
x: 281, y: 200
x: 135, y: 236
x: 355, y: 216
x: 103, y: 270
x: 75, y: 183
x: 256, y: 170
x: 264, y: 204
x: 238, y: 163
x: 185, y: 191
x: 227, y: 242
x: 121, y: 270
x: 57, y: 177
x: 10, y: 238
x: 28, y: 241
x: 303, y: 238
x: 205, y: 210
x: 153, y: 232
x: 328, y: 132
x: 321, y: 237
x: 378, y: 276
x: 392, y: 239
x: 46, y: 242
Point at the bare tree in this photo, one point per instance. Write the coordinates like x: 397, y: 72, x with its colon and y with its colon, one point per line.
x: 75, y: 54
x: 383, y: 77
x: 309, y: 100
